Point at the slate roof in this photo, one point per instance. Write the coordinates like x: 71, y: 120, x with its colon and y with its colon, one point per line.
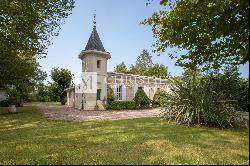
x: 94, y: 42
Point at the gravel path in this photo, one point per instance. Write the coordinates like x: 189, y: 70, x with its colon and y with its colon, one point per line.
x: 66, y: 113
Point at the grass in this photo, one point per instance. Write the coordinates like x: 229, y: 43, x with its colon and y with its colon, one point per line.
x: 42, y: 104
x: 27, y: 138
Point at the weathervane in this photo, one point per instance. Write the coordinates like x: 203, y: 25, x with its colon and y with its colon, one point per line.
x: 94, y: 20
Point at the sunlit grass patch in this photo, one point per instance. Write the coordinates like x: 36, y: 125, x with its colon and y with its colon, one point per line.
x: 27, y: 138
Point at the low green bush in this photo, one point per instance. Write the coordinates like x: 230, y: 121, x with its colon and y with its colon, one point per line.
x: 121, y: 105
x: 14, y: 98
x: 110, y: 95
x: 4, y: 103
x: 141, y: 99
x: 159, y: 99
x: 197, y: 101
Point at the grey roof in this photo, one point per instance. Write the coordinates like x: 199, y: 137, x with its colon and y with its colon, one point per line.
x: 94, y: 42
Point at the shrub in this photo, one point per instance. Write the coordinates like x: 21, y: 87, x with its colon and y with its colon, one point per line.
x: 121, y: 105
x: 159, y: 99
x: 4, y: 103
x: 195, y: 101
x: 141, y: 99
x: 110, y: 95
x: 243, y: 95
x: 14, y: 98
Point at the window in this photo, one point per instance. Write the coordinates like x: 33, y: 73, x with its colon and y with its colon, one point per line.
x: 98, y: 63
x: 119, y: 92
x: 98, y: 94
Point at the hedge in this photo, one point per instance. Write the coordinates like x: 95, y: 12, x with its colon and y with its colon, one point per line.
x: 121, y: 105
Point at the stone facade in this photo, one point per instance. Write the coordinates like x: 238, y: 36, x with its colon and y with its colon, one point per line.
x: 94, y: 62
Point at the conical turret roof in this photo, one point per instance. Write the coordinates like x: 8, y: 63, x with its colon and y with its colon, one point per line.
x: 94, y: 42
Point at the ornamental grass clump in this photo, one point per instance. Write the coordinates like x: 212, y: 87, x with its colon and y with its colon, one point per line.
x: 194, y: 101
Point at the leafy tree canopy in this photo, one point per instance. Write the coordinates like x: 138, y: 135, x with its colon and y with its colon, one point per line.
x: 158, y: 70
x: 144, y: 66
x: 62, y: 79
x: 214, y: 33
x: 26, y: 30
x: 121, y: 68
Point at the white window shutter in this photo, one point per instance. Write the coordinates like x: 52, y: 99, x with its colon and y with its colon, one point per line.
x: 115, y: 91
x: 135, y: 88
x: 145, y: 88
x: 124, y: 92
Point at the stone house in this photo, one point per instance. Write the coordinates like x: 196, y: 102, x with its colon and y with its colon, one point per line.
x: 94, y: 64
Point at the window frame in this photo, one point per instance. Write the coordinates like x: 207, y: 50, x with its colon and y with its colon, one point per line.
x: 98, y: 90
x: 98, y: 64
x: 119, y: 92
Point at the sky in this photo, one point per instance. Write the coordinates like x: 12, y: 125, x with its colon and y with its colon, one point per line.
x: 118, y: 25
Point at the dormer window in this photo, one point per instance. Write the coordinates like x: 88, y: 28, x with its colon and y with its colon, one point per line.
x: 98, y: 63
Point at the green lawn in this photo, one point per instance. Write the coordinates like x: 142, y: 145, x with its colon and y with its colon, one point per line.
x: 42, y: 104
x: 27, y: 138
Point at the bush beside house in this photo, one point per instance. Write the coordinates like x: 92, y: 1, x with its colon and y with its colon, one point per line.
x: 159, y: 99
x: 121, y: 105
x: 141, y: 99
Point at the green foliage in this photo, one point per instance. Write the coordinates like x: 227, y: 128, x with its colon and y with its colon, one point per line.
x: 26, y: 28
x: 42, y: 93
x: 144, y: 66
x: 141, y: 99
x: 4, y: 103
x: 143, y: 62
x: 113, y: 104
x: 53, y: 93
x: 243, y: 95
x: 198, y: 101
x: 14, y: 97
x: 144, y: 59
x: 210, y: 33
x: 159, y: 99
x: 157, y: 70
x: 137, y: 139
x: 62, y: 79
x: 121, y: 105
x: 121, y: 68
x: 110, y: 95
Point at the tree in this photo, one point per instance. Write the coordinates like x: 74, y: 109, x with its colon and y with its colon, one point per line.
x: 52, y: 92
x: 210, y: 33
x: 121, y: 68
x: 144, y: 60
x: 157, y: 70
x: 43, y: 93
x: 26, y: 29
x: 62, y: 79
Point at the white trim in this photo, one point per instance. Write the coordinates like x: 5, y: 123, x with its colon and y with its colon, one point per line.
x: 135, y: 88
x: 124, y: 92
x: 80, y: 56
